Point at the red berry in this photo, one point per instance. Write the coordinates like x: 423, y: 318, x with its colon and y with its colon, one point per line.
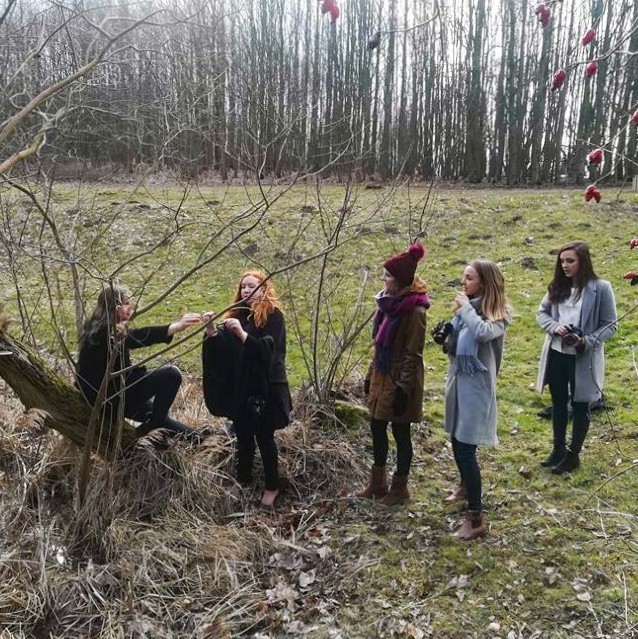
x: 589, y: 36
x: 591, y: 68
x: 540, y: 8
x: 327, y: 6
x: 334, y: 12
x: 597, y: 196
x: 634, y: 243
x: 559, y: 78
x: 596, y: 157
x: 630, y: 275
x: 590, y: 189
x: 634, y: 118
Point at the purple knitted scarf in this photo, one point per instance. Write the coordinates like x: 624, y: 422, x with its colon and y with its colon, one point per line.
x: 390, y: 311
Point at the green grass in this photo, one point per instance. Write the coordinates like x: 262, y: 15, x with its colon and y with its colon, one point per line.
x: 548, y: 535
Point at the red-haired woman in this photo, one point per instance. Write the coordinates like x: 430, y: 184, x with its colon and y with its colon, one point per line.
x: 394, y: 383
x: 245, y: 376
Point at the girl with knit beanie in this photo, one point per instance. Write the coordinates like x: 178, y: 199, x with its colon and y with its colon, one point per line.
x: 475, y: 347
x: 394, y: 383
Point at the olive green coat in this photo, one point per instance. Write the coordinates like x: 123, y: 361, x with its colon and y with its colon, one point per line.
x: 406, y: 371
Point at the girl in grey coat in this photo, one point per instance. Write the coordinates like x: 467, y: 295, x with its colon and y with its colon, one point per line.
x: 578, y: 314
x: 475, y: 348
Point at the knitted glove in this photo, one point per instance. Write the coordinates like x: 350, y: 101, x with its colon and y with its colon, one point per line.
x: 400, y: 402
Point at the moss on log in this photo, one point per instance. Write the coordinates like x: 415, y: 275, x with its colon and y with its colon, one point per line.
x: 66, y: 411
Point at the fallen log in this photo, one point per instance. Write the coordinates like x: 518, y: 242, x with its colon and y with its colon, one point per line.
x: 38, y: 386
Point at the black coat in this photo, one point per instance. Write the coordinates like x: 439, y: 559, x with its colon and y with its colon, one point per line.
x: 94, y: 357
x: 247, y: 382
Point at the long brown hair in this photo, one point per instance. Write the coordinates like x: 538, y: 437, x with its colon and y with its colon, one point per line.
x: 104, y: 315
x: 493, y: 301
x: 560, y: 287
x: 264, y: 305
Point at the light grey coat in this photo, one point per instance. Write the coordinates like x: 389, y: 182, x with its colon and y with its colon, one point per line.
x: 598, y: 323
x: 471, y: 413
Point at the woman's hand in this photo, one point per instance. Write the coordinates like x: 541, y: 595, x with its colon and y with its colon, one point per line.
x: 121, y: 330
x: 188, y: 319
x: 562, y: 330
x: 211, y: 327
x: 460, y: 300
x: 234, y: 326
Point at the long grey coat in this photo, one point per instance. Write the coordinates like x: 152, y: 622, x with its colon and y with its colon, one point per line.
x: 598, y: 323
x: 471, y: 413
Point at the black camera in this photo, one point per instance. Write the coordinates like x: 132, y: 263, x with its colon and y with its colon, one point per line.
x: 574, y: 337
x: 441, y: 331
x: 256, y: 406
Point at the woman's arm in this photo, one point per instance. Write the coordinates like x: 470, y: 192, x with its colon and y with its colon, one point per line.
x: 147, y: 336
x: 414, y: 345
x: 187, y: 320
x: 544, y: 316
x: 482, y: 329
x: 607, y: 325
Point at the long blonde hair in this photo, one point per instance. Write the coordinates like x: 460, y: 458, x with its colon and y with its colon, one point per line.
x: 494, y: 305
x: 264, y: 305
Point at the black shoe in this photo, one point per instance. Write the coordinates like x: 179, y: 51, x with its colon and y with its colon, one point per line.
x: 545, y: 413
x: 144, y: 428
x: 599, y: 404
x: 554, y: 457
x: 570, y: 462
x: 196, y: 437
x: 160, y: 441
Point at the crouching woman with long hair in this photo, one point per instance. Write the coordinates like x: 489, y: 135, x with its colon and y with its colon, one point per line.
x: 105, y: 344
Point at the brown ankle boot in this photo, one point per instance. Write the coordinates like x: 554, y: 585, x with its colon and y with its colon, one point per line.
x: 473, y: 527
x: 458, y: 493
x: 398, y: 493
x: 378, y: 486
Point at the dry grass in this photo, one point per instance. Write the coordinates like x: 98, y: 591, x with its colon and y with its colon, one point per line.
x: 166, y: 544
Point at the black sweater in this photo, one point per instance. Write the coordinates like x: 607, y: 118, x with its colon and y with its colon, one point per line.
x: 94, y: 356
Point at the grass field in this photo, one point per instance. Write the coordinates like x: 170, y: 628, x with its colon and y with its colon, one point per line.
x: 561, y: 556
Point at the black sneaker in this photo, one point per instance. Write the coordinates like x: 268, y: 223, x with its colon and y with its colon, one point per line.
x: 570, y: 462
x: 599, y: 404
x: 160, y: 441
x: 545, y: 413
x: 144, y: 428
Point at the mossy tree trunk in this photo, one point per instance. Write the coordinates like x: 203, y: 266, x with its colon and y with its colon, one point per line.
x: 66, y: 411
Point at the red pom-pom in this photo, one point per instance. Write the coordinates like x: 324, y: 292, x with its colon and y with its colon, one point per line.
x: 416, y: 251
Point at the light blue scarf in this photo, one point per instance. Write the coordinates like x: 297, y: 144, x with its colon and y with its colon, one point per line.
x: 464, y: 346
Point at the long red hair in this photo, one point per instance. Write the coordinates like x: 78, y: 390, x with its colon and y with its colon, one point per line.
x: 264, y: 305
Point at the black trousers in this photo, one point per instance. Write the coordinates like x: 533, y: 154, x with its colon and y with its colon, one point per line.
x: 403, y: 439
x: 247, y: 436
x: 561, y: 374
x: 151, y: 396
x: 467, y: 463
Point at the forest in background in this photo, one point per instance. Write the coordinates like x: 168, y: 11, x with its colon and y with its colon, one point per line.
x: 457, y: 90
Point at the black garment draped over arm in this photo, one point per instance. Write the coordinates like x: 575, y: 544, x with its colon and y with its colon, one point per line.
x: 239, y: 376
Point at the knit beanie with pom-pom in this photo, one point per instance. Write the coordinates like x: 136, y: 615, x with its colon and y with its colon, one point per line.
x: 402, y: 266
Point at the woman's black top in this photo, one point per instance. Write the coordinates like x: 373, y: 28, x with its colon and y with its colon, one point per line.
x: 94, y: 356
